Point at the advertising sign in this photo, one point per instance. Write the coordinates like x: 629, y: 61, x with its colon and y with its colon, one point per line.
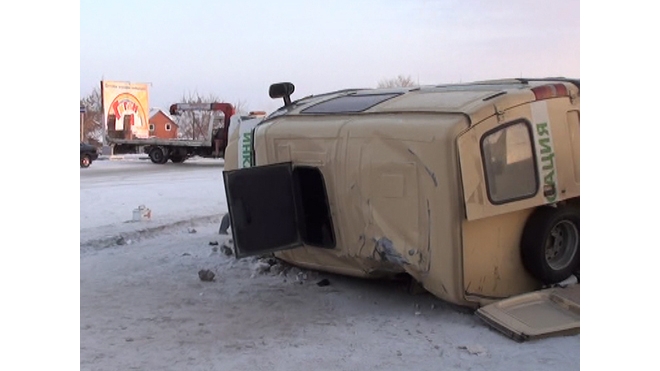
x: 125, y: 109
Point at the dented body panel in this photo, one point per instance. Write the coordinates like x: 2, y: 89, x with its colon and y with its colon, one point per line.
x: 407, y: 186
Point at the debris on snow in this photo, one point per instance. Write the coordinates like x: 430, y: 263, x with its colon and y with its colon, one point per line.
x: 323, y: 282
x: 227, y: 250
x: 572, y: 280
x: 277, y: 269
x: 213, y: 243
x: 185, y: 254
x: 267, y: 264
x: 206, y: 275
x: 475, y: 349
x: 260, y: 267
x: 192, y: 230
x: 293, y: 272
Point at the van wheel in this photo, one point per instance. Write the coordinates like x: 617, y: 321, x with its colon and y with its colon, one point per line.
x: 550, y: 244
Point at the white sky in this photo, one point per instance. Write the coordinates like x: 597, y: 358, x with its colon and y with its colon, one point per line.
x: 235, y: 49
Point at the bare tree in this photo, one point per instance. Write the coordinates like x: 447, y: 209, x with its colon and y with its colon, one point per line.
x: 93, y: 117
x: 399, y: 81
x: 241, y: 107
x: 195, y: 124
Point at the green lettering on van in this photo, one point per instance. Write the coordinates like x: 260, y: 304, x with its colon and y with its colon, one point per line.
x: 550, y: 181
x: 247, y: 149
x: 542, y: 128
x: 545, y: 145
x: 546, y: 160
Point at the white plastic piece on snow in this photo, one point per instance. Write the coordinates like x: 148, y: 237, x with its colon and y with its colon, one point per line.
x: 141, y: 213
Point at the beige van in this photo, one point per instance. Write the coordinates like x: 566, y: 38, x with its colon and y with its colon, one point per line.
x: 473, y: 189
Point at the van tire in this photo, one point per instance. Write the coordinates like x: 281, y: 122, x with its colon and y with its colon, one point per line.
x: 550, y: 244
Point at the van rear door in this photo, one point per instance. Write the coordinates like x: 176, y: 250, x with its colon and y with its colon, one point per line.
x: 262, y: 209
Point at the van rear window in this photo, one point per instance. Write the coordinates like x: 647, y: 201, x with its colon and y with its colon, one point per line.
x: 509, y: 163
x: 349, y: 103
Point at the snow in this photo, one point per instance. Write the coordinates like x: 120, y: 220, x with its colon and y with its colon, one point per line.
x: 144, y: 307
x: 194, y: 192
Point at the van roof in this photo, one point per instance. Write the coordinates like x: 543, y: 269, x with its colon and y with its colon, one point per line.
x: 456, y: 98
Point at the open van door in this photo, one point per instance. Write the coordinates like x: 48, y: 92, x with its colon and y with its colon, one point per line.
x: 262, y: 209
x: 538, y: 314
x: 278, y: 207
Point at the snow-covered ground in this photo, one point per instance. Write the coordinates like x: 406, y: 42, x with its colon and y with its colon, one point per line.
x: 111, y: 190
x: 144, y: 307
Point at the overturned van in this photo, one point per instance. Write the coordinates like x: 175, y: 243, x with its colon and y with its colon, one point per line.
x: 472, y: 189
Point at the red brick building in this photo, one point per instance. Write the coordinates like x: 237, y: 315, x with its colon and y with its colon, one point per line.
x: 162, y: 126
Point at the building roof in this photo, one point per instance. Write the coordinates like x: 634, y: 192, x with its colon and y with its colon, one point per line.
x: 155, y: 110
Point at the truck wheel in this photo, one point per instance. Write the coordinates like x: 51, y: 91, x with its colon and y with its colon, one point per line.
x: 85, y: 161
x: 177, y: 159
x: 157, y: 155
x: 550, y: 244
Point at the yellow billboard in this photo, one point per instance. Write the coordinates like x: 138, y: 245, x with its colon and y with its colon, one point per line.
x: 125, y: 109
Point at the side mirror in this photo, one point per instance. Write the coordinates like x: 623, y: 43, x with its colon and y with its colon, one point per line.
x: 282, y: 90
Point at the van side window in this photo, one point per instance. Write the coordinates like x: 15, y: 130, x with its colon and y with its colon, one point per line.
x: 509, y: 163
